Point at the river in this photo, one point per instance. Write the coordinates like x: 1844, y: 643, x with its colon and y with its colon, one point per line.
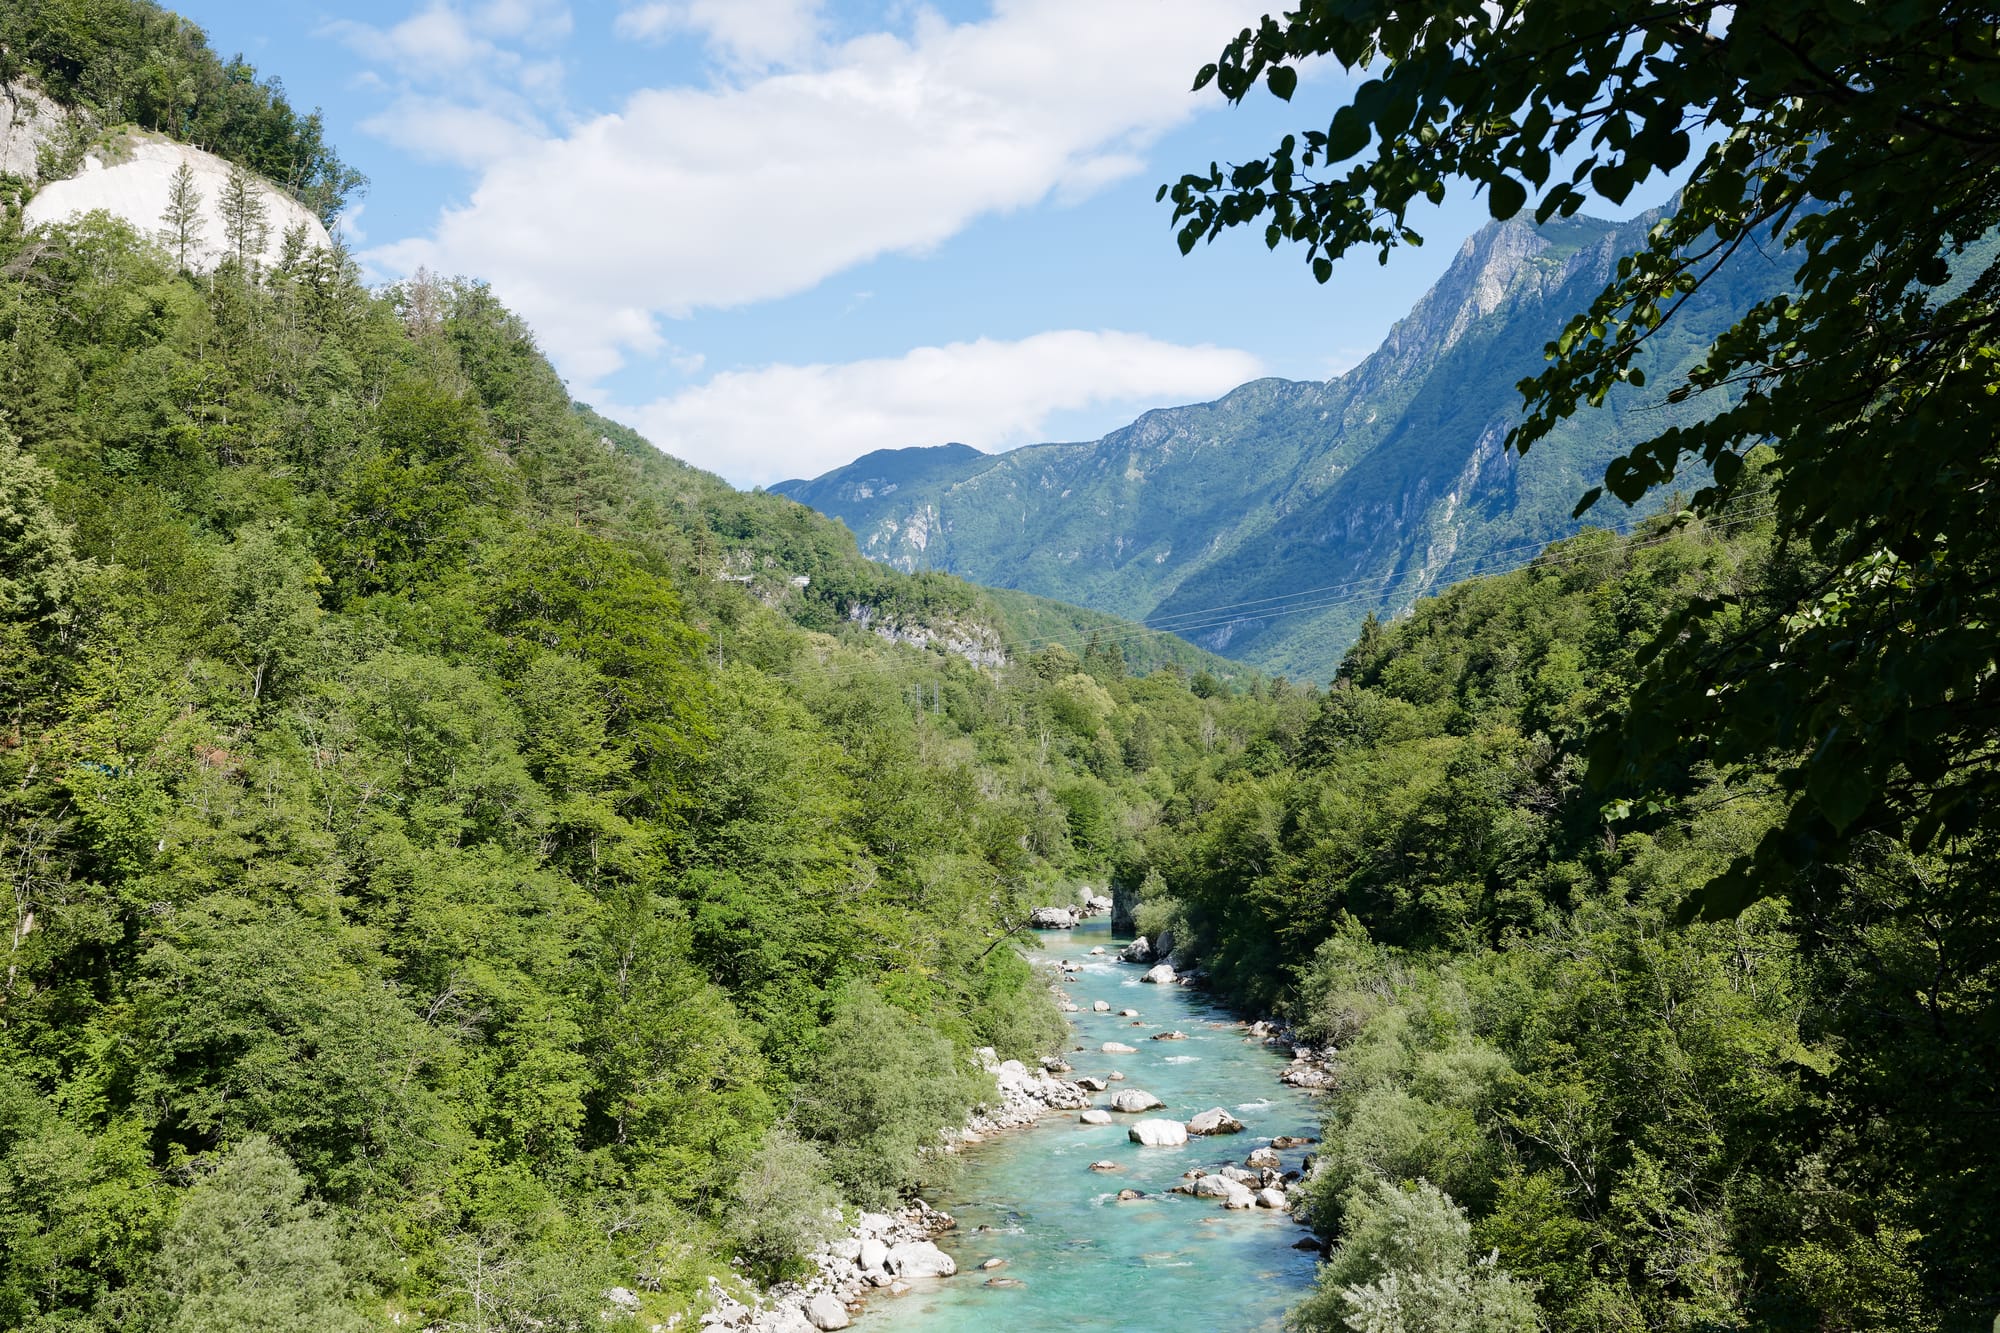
x: 1083, y: 1259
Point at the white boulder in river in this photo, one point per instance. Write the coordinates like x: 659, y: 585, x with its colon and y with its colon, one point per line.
x: 1160, y: 976
x: 1215, y: 1121
x: 1138, y: 951
x: 1052, y: 918
x: 826, y: 1313
x: 1118, y: 1048
x: 1233, y: 1194
x: 920, y: 1258
x: 1095, y: 1117
x: 1158, y: 1133
x: 1133, y: 1100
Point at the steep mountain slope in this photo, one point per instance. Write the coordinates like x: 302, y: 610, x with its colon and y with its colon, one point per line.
x: 1267, y: 524
x: 799, y: 564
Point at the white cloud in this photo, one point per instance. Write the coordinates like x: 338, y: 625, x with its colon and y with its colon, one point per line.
x: 435, y: 129
x: 769, y: 424
x: 463, y: 87
x: 743, y: 32
x: 708, y: 198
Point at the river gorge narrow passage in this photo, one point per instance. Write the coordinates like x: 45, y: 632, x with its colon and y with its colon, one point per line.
x: 1081, y: 1258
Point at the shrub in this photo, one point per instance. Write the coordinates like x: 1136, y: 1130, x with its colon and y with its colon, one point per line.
x: 880, y: 1090
x: 785, y: 1205
x: 1406, y: 1265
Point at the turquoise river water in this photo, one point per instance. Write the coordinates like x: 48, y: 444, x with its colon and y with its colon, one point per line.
x: 1083, y: 1259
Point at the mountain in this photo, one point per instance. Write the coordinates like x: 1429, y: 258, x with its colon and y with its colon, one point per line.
x: 799, y: 564
x: 1266, y: 525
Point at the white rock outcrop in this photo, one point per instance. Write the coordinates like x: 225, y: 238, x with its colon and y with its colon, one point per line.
x: 28, y: 119
x: 132, y: 183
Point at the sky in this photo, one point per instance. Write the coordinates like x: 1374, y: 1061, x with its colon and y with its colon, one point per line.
x: 774, y: 235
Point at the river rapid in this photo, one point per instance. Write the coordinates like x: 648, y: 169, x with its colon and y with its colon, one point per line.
x: 1081, y: 1258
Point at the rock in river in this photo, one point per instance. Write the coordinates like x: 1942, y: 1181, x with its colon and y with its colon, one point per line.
x: 1158, y: 1133
x: 826, y: 1313
x: 1162, y: 975
x: 920, y: 1258
x: 1231, y: 1192
x: 1052, y: 918
x: 1133, y: 1100
x: 1095, y: 1117
x: 1118, y: 1048
x: 1215, y: 1121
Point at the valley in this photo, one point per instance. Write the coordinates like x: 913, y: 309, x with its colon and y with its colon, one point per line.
x: 1267, y: 525
x: 1501, y: 840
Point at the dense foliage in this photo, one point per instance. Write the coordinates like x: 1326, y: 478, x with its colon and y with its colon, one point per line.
x: 453, y: 867
x: 1817, y: 728
x: 1771, y: 1121
x: 132, y: 61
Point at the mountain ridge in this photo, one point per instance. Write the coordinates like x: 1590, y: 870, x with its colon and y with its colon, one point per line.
x: 1386, y: 477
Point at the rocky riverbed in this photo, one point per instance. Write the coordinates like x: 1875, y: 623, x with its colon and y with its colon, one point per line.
x: 1174, y: 1212
x: 1022, y: 1194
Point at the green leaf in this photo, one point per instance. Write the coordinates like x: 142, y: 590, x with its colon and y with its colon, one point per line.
x: 1505, y: 197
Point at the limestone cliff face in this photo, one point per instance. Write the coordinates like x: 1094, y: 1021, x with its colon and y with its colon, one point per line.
x: 131, y: 181
x: 129, y: 174
x: 28, y: 122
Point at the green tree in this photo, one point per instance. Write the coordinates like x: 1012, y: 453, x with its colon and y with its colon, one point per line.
x: 1875, y: 676
x: 784, y: 1204
x: 1406, y: 1265
x: 879, y: 1092
x: 182, y: 216
x: 245, y: 216
x: 248, y: 1251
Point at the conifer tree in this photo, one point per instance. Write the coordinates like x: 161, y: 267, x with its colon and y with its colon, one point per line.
x: 182, y: 218
x: 245, y: 216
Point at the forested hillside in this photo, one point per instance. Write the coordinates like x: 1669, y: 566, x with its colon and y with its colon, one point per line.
x: 468, y: 871
x: 454, y: 866
x: 1646, y: 1122
x: 1268, y: 524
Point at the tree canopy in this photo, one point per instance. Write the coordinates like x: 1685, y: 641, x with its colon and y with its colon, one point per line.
x: 1808, y: 124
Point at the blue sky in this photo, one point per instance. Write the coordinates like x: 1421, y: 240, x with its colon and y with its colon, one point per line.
x: 775, y: 234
